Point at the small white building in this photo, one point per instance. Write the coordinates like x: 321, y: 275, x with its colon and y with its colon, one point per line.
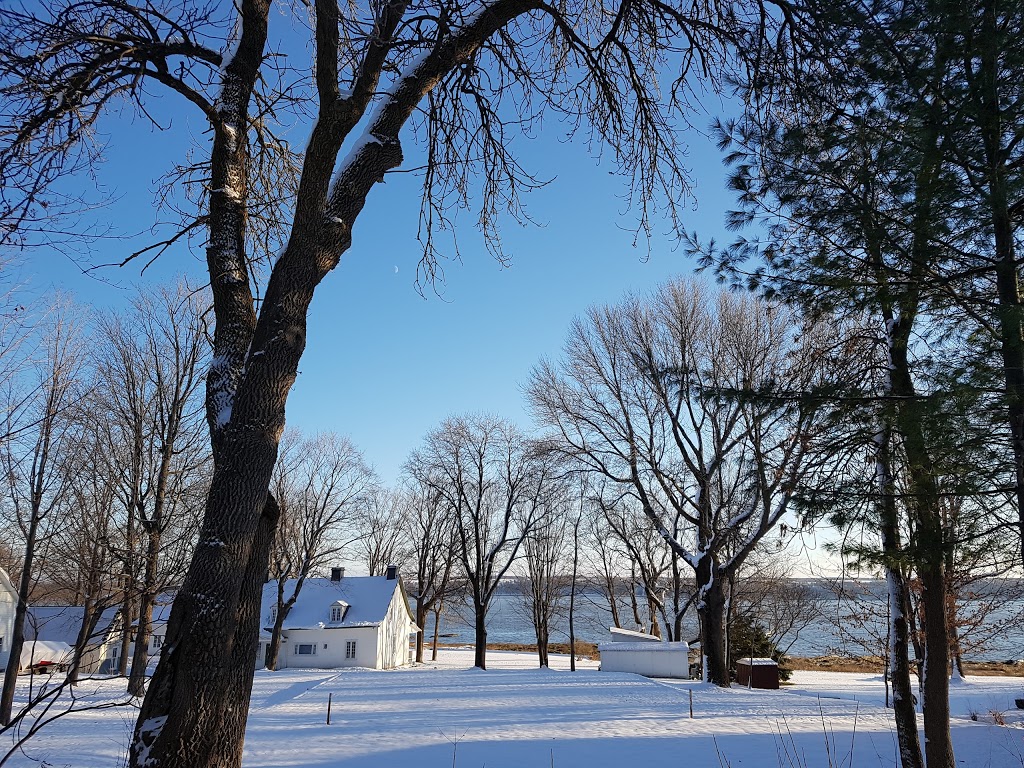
x: 8, y: 605
x: 350, y: 621
x: 643, y: 654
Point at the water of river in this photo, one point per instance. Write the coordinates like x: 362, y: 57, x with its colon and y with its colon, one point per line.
x: 835, y: 630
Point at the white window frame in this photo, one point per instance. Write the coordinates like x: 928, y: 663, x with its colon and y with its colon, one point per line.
x: 350, y: 649
x: 336, y: 613
x: 310, y: 652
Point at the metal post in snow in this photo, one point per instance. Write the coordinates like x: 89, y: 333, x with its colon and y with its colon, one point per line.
x: 691, y: 703
x: 329, y: 696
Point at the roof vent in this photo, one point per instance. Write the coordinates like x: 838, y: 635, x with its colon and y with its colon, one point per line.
x: 392, y: 573
x: 337, y: 574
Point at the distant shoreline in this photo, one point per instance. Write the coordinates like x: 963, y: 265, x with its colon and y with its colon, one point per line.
x: 797, y: 663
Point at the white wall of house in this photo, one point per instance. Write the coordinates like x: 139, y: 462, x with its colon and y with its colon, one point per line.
x: 393, y: 645
x: 8, y: 605
x: 326, y: 648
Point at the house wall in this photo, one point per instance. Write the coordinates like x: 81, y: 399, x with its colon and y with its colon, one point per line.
x: 334, y: 654
x: 8, y: 604
x: 393, y: 645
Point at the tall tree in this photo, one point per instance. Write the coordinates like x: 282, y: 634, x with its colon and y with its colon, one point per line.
x: 323, y: 486
x: 472, y: 73
x: 38, y: 478
x: 494, y: 482
x: 430, y: 534
x: 685, y: 405
x: 165, y: 335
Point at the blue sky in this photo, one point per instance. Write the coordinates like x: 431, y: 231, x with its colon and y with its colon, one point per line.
x: 383, y: 363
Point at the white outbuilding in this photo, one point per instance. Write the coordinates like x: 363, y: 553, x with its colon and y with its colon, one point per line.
x: 343, y: 621
x: 643, y: 654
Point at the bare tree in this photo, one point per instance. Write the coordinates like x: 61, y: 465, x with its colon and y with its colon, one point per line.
x: 544, y: 557
x: 36, y: 479
x: 430, y: 534
x: 492, y: 480
x: 471, y: 74
x: 322, y: 485
x: 170, y: 343
x: 684, y: 404
x: 383, y: 540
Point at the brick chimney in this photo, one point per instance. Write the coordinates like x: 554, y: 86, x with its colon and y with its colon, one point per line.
x: 392, y: 572
x: 337, y: 574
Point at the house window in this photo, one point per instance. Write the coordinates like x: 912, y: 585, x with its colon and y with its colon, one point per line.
x: 273, y: 614
x: 350, y: 649
x: 158, y: 641
x: 336, y: 612
x: 305, y: 649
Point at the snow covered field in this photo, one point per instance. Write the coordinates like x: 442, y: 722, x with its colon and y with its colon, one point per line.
x: 515, y: 716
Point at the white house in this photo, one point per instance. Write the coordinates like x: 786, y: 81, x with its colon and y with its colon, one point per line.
x: 53, y: 626
x: 344, y: 621
x: 8, y: 604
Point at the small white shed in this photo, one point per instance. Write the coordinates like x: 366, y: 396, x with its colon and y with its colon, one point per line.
x: 646, y: 658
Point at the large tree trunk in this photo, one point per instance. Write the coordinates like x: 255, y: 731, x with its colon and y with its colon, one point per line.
x: 938, y: 746
x: 711, y: 609
x: 197, y: 703
x: 140, y: 657
x: 480, y: 622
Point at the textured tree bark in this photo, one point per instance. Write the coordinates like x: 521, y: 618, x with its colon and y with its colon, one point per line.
x: 712, y: 613
x: 196, y: 706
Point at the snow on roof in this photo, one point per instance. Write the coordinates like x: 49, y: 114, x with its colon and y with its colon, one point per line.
x: 368, y: 598
x: 621, y: 635
x: 49, y: 651
x: 758, y: 662
x: 642, y: 646
x: 62, y: 623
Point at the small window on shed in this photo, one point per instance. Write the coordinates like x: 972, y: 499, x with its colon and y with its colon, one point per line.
x: 305, y: 649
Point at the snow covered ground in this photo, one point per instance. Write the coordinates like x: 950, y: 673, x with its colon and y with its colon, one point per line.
x: 447, y: 714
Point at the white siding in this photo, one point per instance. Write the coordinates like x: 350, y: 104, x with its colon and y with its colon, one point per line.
x: 8, y: 604
x: 394, y: 634
x: 333, y: 655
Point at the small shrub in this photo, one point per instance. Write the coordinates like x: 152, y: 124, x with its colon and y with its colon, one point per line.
x: 748, y: 637
x: 997, y: 717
